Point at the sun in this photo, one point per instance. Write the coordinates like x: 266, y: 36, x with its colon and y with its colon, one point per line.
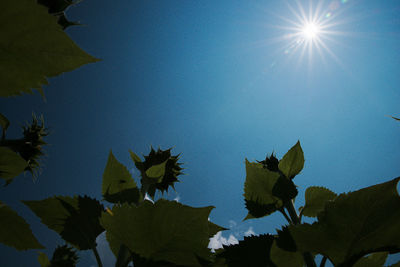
x: 311, y: 27
x: 310, y: 30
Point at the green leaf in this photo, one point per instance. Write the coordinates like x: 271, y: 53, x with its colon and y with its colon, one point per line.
x: 213, y: 229
x: 165, y: 231
x: 75, y: 219
x: 43, y: 260
x: 285, y: 240
x: 316, y: 198
x: 265, y: 191
x: 373, y: 260
x: 118, y: 185
x: 252, y: 251
x: 4, y: 123
x: 15, y: 231
x: 134, y: 157
x: 11, y: 164
x: 354, y: 225
x: 156, y: 172
x: 283, y: 258
x: 33, y: 46
x: 292, y: 162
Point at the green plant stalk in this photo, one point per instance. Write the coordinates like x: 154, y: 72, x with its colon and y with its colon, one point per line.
x: 323, y: 261
x: 96, y: 254
x: 308, y: 258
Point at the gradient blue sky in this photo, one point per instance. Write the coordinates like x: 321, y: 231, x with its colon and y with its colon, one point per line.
x: 219, y: 82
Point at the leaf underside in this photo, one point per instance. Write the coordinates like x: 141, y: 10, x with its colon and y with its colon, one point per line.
x: 15, y: 231
x: 75, y: 219
x: 354, y: 225
x: 166, y: 231
x: 33, y: 47
x: 118, y: 185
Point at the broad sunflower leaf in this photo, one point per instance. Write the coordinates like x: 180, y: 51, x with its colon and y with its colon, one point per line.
x: 374, y: 260
x: 15, y: 231
x: 316, y: 198
x: 33, y: 46
x: 75, y: 219
x: 354, y: 225
x: 283, y: 258
x: 165, y: 231
x: 11, y: 164
x: 118, y: 185
x: 252, y: 251
x: 265, y: 191
x: 292, y: 162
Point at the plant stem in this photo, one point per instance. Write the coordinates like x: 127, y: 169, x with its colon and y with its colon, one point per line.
x: 285, y: 215
x: 96, y: 254
x: 308, y: 258
x: 323, y: 261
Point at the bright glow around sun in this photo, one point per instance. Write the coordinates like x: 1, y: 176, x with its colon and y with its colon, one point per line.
x: 310, y: 30
x: 311, y: 27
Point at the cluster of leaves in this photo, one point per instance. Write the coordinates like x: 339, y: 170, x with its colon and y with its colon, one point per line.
x: 163, y: 233
x: 28, y: 27
x: 352, y: 229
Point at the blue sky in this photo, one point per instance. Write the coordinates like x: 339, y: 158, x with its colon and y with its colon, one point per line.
x: 218, y: 82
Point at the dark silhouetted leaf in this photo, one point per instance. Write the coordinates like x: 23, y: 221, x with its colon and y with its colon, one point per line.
x: 165, y: 231
x: 316, y: 197
x: 285, y: 240
x: 118, y: 185
x: 354, y: 225
x: 14, y: 231
x: 258, y: 188
x: 11, y: 164
x: 153, y: 165
x: 75, y: 219
x: 33, y: 46
x: 284, y: 189
x: 56, y: 6
x: 292, y: 162
x: 271, y: 163
x: 256, y: 210
x: 283, y: 258
x: 213, y: 229
x: 64, y: 256
x: 252, y: 251
x: 373, y: 260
